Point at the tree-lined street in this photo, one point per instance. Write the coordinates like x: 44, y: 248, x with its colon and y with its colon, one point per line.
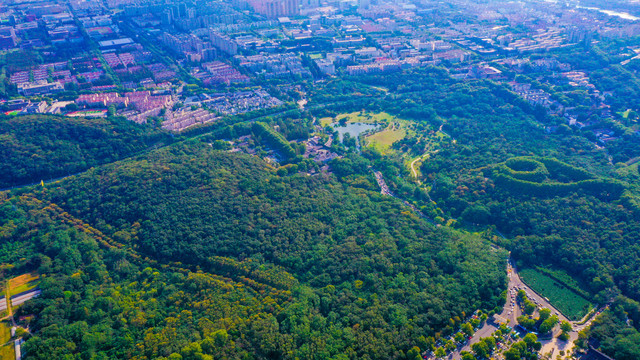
x: 512, y: 310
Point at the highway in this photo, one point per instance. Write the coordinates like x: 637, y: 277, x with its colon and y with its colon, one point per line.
x: 21, y: 298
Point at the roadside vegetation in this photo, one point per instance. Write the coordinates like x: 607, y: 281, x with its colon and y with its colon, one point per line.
x: 565, y: 299
x: 23, y: 283
x: 6, y: 345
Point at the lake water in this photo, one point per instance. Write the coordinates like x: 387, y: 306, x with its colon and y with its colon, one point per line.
x: 354, y: 130
x: 622, y: 15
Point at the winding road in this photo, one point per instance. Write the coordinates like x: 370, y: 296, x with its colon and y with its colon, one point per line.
x: 413, y: 169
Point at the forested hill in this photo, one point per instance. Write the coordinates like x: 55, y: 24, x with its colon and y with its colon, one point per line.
x: 41, y: 147
x: 556, y: 197
x: 313, y: 268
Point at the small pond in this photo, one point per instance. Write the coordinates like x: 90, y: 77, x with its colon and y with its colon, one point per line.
x: 354, y: 130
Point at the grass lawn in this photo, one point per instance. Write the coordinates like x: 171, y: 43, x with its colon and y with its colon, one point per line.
x: 6, y: 352
x: 23, y: 283
x: 325, y: 121
x: 383, y: 140
x: 625, y: 114
x: 563, y: 298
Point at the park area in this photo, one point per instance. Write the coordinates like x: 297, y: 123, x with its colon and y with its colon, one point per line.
x: 569, y: 302
x: 359, y: 117
x: 395, y: 129
x: 383, y: 140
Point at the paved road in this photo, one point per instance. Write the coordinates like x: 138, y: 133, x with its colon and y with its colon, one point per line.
x: 514, y: 279
x: 384, y: 188
x: 511, y: 311
x: 425, y: 156
x: 17, y: 300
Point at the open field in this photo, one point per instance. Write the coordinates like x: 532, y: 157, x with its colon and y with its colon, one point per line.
x: 6, y: 351
x: 326, y: 121
x: 625, y: 114
x: 567, y: 280
x: 22, y: 283
x: 383, y: 140
x: 563, y: 298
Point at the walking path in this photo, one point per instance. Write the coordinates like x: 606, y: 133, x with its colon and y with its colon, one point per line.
x: 413, y: 163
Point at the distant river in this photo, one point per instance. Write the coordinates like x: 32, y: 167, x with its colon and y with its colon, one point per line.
x: 622, y: 15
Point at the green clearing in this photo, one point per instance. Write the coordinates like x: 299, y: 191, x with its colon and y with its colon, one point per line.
x: 326, y: 121
x: 23, y: 283
x: 383, y: 140
x: 567, y: 280
x: 6, y: 347
x: 24, y: 287
x: 441, y: 136
x: 562, y: 297
x: 630, y: 171
x: 625, y: 114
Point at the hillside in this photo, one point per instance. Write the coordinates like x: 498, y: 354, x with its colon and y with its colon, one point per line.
x: 555, y: 196
x: 312, y: 267
x: 42, y: 147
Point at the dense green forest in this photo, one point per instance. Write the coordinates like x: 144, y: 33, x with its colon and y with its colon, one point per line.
x: 41, y: 147
x: 616, y: 330
x: 192, y: 251
x: 196, y: 253
x: 558, y: 200
x: 579, y: 216
x: 575, y: 212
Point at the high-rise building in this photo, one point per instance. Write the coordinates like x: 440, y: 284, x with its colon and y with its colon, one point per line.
x: 167, y: 17
x: 223, y: 42
x: 310, y: 3
x: 8, y: 38
x: 364, y: 4
x: 276, y: 8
